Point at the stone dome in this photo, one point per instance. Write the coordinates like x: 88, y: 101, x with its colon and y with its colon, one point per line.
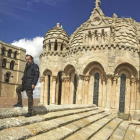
x: 56, y: 33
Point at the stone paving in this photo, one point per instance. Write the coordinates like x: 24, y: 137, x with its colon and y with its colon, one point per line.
x: 69, y: 122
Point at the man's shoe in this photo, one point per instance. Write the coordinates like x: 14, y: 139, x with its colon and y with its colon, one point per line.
x: 28, y: 115
x: 18, y: 105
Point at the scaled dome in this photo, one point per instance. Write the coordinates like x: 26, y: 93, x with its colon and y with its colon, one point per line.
x: 56, y: 33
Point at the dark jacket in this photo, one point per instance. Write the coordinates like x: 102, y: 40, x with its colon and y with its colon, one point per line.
x: 30, y: 76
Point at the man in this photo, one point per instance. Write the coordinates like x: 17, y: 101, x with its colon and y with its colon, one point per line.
x: 29, y: 81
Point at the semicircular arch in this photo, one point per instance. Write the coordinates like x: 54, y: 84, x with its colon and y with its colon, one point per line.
x: 126, y: 68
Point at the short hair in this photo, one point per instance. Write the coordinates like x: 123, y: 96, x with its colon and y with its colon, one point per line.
x: 30, y: 56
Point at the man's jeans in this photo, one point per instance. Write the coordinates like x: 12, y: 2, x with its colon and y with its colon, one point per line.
x: 29, y: 93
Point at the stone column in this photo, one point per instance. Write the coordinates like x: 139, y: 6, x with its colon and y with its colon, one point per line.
x: 113, y: 100
x: 44, y: 48
x: 100, y: 92
x: 63, y: 90
x: 109, y: 86
x: 53, y: 89
x: 59, y: 46
x: 41, y: 79
x: 57, y: 92
x: 52, y: 46
x: 80, y: 89
x: 138, y: 95
x: 104, y: 92
x: 47, y: 47
x: 87, y: 40
x: 86, y: 86
x: 90, y: 90
x: 117, y: 94
x: 46, y: 91
x: 67, y: 91
x: 127, y: 96
x: 132, y: 105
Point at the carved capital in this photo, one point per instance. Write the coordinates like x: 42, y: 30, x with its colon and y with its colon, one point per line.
x: 54, y: 78
x: 41, y: 79
x: 133, y: 80
x: 65, y: 78
x: 86, y: 77
x: 109, y: 76
x: 80, y: 77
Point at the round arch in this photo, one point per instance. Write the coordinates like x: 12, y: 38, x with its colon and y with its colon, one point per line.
x: 93, y: 67
x: 126, y: 68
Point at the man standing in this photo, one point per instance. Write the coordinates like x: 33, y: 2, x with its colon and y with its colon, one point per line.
x: 29, y: 81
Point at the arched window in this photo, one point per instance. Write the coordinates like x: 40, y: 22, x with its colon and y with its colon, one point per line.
x: 7, y: 78
x: 62, y: 47
x: 3, y: 50
x: 4, y: 63
x: 75, y: 89
x: 55, y: 46
x: 9, y: 52
x: 15, y: 54
x: 49, y: 45
x: 122, y: 93
x: 96, y: 89
x: 12, y: 65
x: 49, y: 79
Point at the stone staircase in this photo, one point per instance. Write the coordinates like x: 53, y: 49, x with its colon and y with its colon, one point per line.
x: 69, y: 122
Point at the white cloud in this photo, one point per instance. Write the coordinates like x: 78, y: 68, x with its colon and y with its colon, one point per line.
x: 32, y: 46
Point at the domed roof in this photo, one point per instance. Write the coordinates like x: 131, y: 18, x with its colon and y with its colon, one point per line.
x: 57, y: 32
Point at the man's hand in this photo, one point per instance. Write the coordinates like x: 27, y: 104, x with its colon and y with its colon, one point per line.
x: 33, y: 86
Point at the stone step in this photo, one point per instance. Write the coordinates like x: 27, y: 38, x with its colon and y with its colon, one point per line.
x: 119, y: 133
x: 106, y: 132
x: 88, y: 131
x: 19, y: 111
x: 137, y: 133
x: 30, y: 130
x: 20, y: 121
x: 66, y: 130
x: 124, y: 116
x: 130, y: 133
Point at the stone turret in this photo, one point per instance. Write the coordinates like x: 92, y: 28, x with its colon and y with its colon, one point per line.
x: 56, y: 39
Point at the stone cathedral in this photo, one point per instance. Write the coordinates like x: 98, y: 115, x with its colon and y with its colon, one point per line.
x: 98, y: 64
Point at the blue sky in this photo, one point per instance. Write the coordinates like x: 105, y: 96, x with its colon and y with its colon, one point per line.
x: 30, y: 18
x: 24, y: 23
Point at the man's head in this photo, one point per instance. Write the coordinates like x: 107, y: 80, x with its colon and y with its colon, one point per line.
x: 29, y: 59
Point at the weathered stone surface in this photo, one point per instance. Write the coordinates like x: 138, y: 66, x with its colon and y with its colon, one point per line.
x: 107, y: 131
x: 18, y: 111
x: 44, y: 126
x: 108, y: 46
x: 79, y: 123
x: 119, y: 133
x: 130, y: 133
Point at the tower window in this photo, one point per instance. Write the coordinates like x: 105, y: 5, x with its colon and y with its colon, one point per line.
x: 7, y: 78
x: 62, y: 47
x: 12, y: 65
x: 15, y: 54
x: 3, y: 50
x: 4, y: 63
x: 9, y: 53
x: 55, y: 47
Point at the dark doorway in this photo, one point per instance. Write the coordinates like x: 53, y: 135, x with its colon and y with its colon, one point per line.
x: 49, y: 80
x: 60, y: 87
x: 75, y: 89
x: 96, y: 89
x: 122, y: 93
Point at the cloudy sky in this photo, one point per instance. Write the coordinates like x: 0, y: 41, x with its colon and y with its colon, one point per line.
x: 24, y: 23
